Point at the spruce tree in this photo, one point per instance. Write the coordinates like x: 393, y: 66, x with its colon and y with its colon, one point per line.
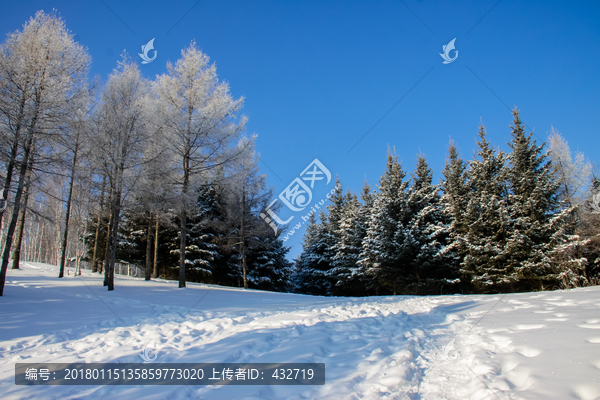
x: 202, y: 252
x: 536, y: 218
x: 314, y: 262
x: 268, y: 269
x: 381, y: 256
x: 132, y: 236
x: 423, y: 236
x: 332, y: 236
x: 486, y: 222
x: 455, y: 198
x: 348, y: 247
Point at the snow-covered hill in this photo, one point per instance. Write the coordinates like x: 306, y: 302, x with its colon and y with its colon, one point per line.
x: 542, y: 345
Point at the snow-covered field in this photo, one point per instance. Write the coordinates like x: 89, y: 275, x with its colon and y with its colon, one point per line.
x: 518, y: 346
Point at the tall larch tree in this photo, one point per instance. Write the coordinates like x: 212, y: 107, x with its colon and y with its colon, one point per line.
x: 43, y: 72
x: 200, y: 119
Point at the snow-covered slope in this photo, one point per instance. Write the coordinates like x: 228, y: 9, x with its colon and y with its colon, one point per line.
x: 518, y: 346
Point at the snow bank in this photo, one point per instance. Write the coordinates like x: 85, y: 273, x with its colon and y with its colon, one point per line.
x: 517, y: 346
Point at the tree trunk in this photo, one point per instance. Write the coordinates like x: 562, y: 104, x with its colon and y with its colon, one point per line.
x: 149, y: 248
x: 65, y: 238
x: 182, y: 245
x: 155, y: 274
x: 183, y: 229
x: 94, y: 255
x: 107, y: 248
x: 243, y: 234
x: 17, y: 252
x: 116, y: 193
x: 94, y: 260
x: 113, y: 241
x: 15, y: 215
x: 13, y: 154
x: 77, y: 251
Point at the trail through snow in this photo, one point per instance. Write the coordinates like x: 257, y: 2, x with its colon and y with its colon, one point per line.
x: 542, y: 345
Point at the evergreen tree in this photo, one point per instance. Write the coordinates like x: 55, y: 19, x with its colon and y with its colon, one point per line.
x: 590, y: 230
x: 332, y: 237
x: 454, y: 201
x: 132, y: 236
x: 202, y: 252
x: 268, y: 268
x: 350, y: 234
x: 536, y: 219
x: 381, y: 256
x: 313, y: 263
x: 359, y: 279
x: 483, y: 233
x: 424, y: 236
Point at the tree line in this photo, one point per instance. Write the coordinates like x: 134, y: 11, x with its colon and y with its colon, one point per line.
x: 97, y: 164
x: 502, y: 222
x: 161, y: 173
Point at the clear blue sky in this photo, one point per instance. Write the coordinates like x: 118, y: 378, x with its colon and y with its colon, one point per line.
x: 318, y: 75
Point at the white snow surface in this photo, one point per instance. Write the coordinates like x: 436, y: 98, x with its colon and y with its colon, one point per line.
x: 543, y: 345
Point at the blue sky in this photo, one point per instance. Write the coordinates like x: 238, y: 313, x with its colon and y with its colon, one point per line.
x: 318, y: 75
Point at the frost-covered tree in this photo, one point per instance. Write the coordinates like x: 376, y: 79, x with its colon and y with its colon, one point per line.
x: 74, y: 141
x: 154, y: 192
x: 200, y: 120
x: 573, y: 173
x: 119, y: 146
x: 246, y: 193
x: 42, y: 72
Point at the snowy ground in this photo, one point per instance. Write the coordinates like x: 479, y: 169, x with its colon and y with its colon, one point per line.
x: 517, y: 346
